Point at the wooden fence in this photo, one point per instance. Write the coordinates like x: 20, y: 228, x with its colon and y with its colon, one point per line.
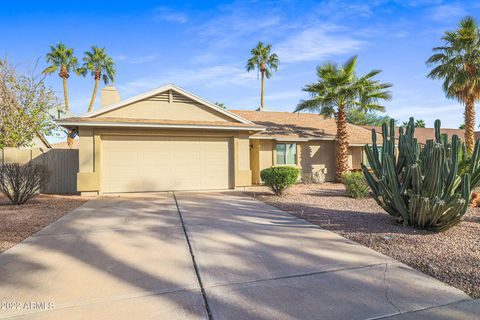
x: 62, y: 163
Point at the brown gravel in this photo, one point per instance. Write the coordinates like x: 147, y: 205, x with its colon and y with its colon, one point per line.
x: 452, y: 256
x: 19, y: 222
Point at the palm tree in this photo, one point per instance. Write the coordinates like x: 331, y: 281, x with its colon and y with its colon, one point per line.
x: 457, y: 62
x: 101, y: 66
x: 61, y: 57
x: 265, y: 63
x: 339, y: 89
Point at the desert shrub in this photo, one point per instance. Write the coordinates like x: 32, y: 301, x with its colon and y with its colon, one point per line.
x: 280, y: 178
x: 21, y: 182
x: 355, y: 185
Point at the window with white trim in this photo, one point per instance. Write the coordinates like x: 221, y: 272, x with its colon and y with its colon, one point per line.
x: 286, y: 153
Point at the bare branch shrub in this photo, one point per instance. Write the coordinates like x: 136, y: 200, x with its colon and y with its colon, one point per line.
x: 21, y: 182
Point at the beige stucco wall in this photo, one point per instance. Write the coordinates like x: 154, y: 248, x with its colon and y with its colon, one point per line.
x: 90, y: 153
x: 309, y: 154
x: 355, y: 157
x: 318, y: 153
x: 156, y: 108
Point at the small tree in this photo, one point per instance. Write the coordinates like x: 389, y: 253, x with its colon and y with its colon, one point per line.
x: 25, y: 102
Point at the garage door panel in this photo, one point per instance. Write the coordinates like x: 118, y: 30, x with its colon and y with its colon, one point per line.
x: 150, y: 163
x: 186, y: 158
x: 155, y: 159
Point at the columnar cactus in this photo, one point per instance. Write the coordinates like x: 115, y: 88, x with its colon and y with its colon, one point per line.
x: 422, y: 186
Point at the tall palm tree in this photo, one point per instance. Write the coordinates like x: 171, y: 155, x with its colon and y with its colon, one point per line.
x: 457, y: 62
x: 100, y: 66
x: 339, y: 89
x: 265, y: 62
x: 61, y: 57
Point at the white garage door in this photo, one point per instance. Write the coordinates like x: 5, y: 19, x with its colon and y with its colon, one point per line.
x: 152, y: 163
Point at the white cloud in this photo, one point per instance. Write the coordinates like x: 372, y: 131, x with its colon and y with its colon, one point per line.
x: 171, y: 15
x: 143, y: 59
x: 208, y: 77
x: 418, y: 3
x: 205, y: 57
x: 136, y: 60
x: 316, y: 43
x: 401, y: 34
x: 227, y: 30
x: 446, y: 12
x: 120, y: 57
x: 339, y: 9
x: 240, y: 22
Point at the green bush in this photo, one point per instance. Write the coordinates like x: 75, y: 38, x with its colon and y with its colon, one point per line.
x: 280, y: 178
x: 355, y: 184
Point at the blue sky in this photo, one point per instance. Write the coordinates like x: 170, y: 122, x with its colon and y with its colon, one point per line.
x: 203, y: 46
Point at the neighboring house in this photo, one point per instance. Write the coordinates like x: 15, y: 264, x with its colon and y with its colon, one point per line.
x: 424, y: 134
x: 64, y: 145
x: 170, y: 139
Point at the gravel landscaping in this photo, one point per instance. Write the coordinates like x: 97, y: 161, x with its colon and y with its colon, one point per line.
x: 452, y: 256
x: 19, y: 222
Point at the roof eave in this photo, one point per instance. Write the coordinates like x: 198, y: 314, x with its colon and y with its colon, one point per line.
x: 74, y: 124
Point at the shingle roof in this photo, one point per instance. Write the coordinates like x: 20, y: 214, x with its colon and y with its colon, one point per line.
x: 302, y: 125
x: 424, y: 134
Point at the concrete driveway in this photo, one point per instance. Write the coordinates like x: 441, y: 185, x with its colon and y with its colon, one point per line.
x: 209, y: 255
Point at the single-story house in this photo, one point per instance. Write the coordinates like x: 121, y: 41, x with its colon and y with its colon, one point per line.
x: 170, y: 139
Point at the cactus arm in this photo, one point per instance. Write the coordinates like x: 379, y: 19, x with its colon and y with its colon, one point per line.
x: 438, y: 136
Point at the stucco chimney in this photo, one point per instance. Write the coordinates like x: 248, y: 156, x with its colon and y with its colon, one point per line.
x: 109, y: 95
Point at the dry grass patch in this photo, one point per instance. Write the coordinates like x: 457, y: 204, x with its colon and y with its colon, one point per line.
x: 19, y: 222
x: 452, y: 256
